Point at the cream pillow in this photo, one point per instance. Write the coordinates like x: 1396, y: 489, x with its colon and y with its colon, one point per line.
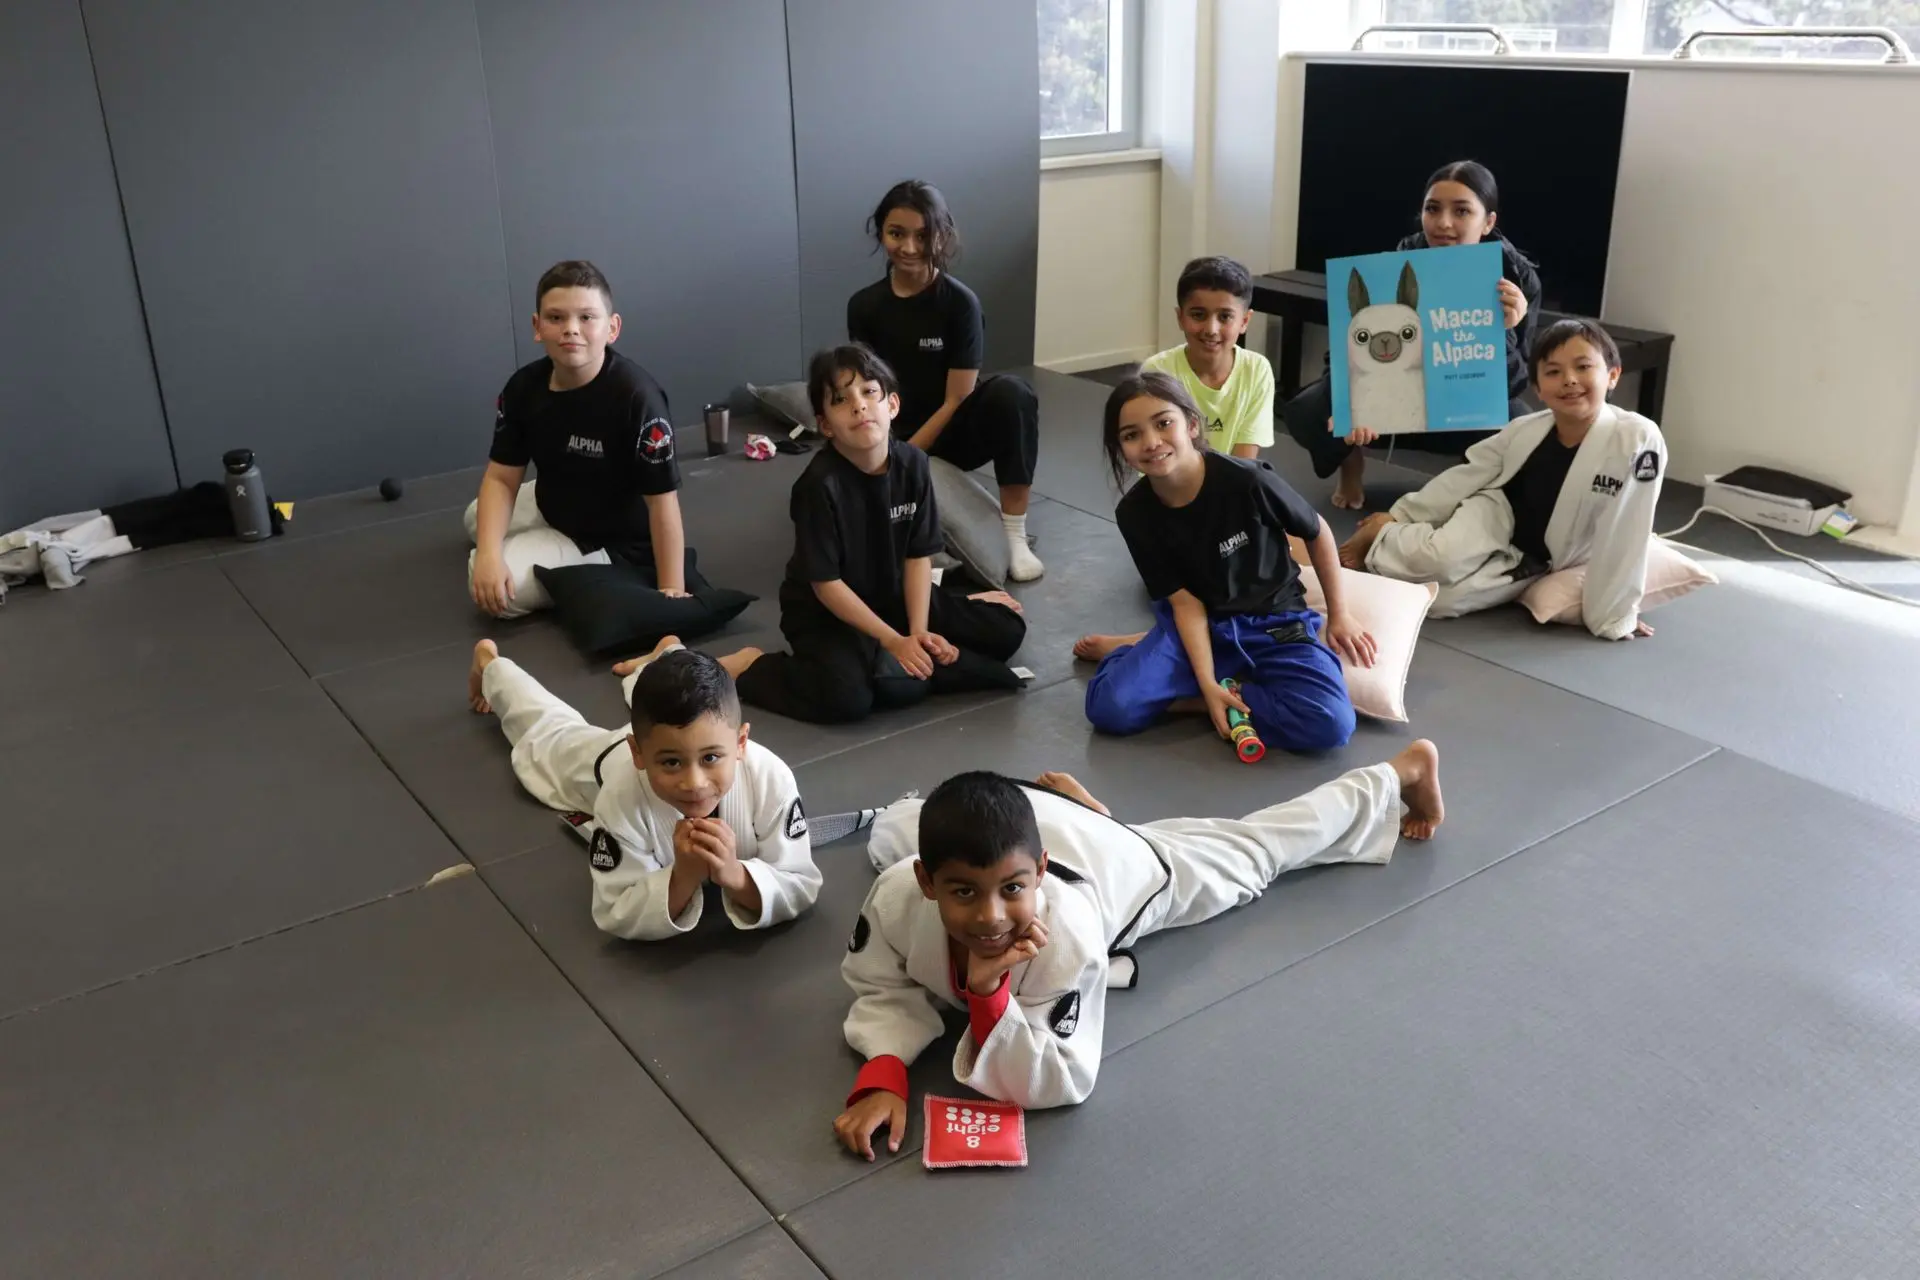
x: 1670, y: 575
x: 1392, y: 612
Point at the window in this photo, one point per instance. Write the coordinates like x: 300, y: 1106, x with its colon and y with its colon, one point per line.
x: 1089, y: 75
x: 1640, y: 28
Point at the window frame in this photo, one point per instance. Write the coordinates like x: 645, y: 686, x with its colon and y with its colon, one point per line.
x: 1124, y: 52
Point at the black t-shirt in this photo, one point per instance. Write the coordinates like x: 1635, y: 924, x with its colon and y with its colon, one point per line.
x: 1228, y: 547
x: 861, y: 529
x: 922, y: 337
x: 599, y: 451
x: 1535, y: 490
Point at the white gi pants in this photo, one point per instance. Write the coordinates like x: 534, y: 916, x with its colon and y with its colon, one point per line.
x: 556, y: 753
x: 1471, y: 556
x: 1218, y: 864
x: 530, y: 542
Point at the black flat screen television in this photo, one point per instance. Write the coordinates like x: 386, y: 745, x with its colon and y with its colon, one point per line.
x: 1371, y: 133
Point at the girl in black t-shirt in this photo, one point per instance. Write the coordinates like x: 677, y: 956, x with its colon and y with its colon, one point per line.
x: 928, y: 327
x: 1208, y: 533
x: 1461, y: 206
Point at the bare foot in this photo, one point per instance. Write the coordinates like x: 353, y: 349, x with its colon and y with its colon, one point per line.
x: 1068, y: 785
x: 1349, y: 491
x: 1096, y: 648
x: 483, y: 655
x: 1353, y: 552
x: 998, y: 597
x: 630, y: 665
x: 737, y: 662
x: 1419, y: 770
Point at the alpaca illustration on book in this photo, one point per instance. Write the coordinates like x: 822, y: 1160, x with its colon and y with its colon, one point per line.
x: 1385, y: 359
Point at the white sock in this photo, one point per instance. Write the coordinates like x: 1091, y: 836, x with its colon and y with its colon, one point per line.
x: 1022, y: 564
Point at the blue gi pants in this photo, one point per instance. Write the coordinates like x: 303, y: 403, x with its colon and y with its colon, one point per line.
x: 1295, y: 690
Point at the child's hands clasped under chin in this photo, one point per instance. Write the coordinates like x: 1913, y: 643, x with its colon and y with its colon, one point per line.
x: 707, y: 845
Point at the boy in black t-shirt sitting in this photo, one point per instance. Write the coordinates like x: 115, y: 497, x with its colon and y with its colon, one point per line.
x: 859, y: 608
x: 596, y: 428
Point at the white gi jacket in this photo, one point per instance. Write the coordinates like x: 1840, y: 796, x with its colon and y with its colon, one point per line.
x: 632, y: 849
x: 1603, y: 519
x: 1045, y: 1049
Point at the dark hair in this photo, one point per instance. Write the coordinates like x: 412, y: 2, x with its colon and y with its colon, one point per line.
x: 679, y: 687
x: 1560, y: 333
x: 1223, y: 274
x: 574, y: 273
x: 857, y: 358
x: 1160, y: 386
x: 943, y: 241
x: 1472, y: 175
x: 977, y: 818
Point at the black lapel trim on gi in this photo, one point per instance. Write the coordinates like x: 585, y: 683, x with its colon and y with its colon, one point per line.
x: 602, y: 759
x: 1064, y: 1017
x: 1123, y: 953
x: 604, y: 852
x: 1067, y: 874
x: 1166, y: 872
x: 861, y: 932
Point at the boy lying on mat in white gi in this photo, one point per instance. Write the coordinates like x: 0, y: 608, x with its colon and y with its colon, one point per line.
x: 680, y: 798
x: 1017, y: 901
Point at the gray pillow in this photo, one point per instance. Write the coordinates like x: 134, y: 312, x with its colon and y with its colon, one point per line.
x: 970, y: 519
x: 786, y: 403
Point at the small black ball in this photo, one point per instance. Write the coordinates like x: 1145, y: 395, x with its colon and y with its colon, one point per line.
x: 390, y: 489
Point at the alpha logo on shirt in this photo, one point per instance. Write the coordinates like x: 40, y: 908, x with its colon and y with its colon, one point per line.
x: 1608, y: 486
x: 1647, y: 465
x: 796, y: 820
x: 586, y: 447
x: 933, y: 344
x: 605, y: 855
x: 1230, y: 545
x: 905, y: 511
x: 861, y: 932
x: 656, y: 441
x: 1064, y: 1017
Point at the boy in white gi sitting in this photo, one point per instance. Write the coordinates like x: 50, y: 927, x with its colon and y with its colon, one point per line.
x: 680, y: 800
x: 1016, y: 902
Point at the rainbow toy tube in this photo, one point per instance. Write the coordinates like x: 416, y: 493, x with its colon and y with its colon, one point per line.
x: 1246, y: 743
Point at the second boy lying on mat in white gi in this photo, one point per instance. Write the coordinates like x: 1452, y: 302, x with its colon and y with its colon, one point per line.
x: 1016, y: 902
x: 679, y: 800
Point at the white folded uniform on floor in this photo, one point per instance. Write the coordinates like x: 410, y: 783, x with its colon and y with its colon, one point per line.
x: 1457, y: 529
x: 568, y: 764
x: 1107, y: 885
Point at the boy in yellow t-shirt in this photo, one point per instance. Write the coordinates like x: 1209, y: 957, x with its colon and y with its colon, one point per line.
x: 1232, y: 386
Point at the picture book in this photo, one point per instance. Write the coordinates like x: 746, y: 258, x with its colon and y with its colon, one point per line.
x: 1420, y: 343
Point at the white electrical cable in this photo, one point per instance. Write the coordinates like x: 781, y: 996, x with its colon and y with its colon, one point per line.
x: 1842, y: 579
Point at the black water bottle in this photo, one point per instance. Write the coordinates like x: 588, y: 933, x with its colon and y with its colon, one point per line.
x: 247, y: 497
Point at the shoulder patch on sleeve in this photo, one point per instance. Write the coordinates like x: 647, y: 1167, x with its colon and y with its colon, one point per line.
x: 1064, y: 1017
x: 861, y: 932
x: 796, y: 820
x: 1647, y: 465
x: 604, y: 852
x: 656, y: 441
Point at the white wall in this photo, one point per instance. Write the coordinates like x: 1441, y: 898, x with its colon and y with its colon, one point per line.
x: 1763, y: 217
x: 1098, y: 270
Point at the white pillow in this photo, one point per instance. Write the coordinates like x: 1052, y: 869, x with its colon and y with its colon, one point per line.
x: 1392, y: 612
x: 1670, y: 575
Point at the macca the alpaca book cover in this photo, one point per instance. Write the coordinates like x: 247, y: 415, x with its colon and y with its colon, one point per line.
x: 1419, y: 342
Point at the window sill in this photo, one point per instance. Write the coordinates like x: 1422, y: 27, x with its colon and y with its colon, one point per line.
x: 1090, y: 159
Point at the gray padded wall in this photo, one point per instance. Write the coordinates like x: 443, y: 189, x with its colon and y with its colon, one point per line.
x: 82, y: 423
x: 891, y: 89
x: 656, y: 139
x: 310, y: 192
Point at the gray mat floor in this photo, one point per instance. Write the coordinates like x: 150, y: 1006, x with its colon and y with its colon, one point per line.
x: 295, y: 982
